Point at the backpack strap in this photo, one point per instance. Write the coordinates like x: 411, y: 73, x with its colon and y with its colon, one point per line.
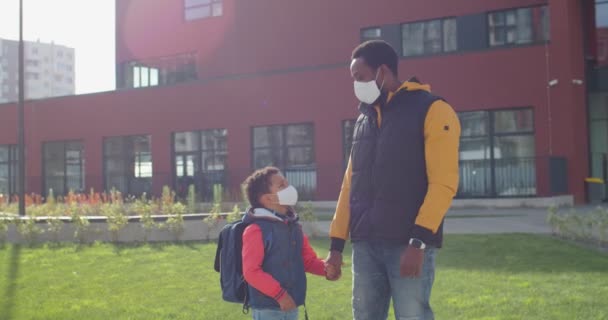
x: 267, y: 241
x: 218, y: 252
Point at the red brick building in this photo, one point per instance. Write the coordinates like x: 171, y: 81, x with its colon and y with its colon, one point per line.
x: 210, y: 89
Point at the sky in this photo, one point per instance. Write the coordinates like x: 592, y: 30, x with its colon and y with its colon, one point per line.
x: 88, y: 26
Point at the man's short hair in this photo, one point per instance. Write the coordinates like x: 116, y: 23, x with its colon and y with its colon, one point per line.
x: 376, y: 53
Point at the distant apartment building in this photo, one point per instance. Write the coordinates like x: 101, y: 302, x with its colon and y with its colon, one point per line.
x: 49, y: 70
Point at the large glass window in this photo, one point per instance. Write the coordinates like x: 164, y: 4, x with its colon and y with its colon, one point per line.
x: 200, y: 160
x: 63, y: 167
x: 200, y: 9
x: 601, y: 25
x: 291, y: 149
x: 8, y: 169
x: 160, y: 71
x: 598, y: 127
x: 128, y: 164
x: 429, y: 37
x: 373, y: 33
x: 519, y: 26
x: 497, y: 153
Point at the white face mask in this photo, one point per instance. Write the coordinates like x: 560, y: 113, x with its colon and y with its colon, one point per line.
x: 288, y: 196
x: 368, y: 92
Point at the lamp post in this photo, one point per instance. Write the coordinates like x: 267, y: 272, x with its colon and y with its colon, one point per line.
x: 21, y: 122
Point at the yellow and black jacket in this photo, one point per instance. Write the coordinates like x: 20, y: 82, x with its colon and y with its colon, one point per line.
x: 403, y: 170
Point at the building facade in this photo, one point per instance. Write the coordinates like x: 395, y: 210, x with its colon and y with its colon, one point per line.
x: 49, y: 70
x: 216, y: 88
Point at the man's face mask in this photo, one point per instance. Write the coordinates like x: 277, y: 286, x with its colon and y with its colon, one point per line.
x: 368, y: 92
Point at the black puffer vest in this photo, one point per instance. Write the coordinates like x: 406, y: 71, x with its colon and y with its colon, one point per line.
x: 389, y: 179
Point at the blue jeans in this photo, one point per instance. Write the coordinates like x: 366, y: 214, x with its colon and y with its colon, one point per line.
x: 266, y: 314
x: 376, y: 279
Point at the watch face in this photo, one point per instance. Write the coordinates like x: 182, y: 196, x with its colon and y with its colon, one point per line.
x: 416, y: 243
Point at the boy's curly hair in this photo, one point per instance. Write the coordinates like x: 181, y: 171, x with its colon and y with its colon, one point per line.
x: 258, y: 184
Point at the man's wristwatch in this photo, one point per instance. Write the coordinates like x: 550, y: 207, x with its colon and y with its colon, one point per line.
x: 417, y: 243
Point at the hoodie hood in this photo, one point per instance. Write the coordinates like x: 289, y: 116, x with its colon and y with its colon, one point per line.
x: 265, y: 214
x: 413, y: 84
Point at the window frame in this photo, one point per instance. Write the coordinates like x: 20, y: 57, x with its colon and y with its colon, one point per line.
x: 81, y: 164
x: 198, y: 165
x: 441, y: 40
x: 537, y: 30
x: 129, y: 163
x: 491, y: 138
x: 284, y: 146
x: 363, y: 38
x: 212, y: 5
x: 12, y: 166
x: 303, y: 177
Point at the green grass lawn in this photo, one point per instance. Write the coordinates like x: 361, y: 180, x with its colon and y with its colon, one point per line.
x: 478, y: 277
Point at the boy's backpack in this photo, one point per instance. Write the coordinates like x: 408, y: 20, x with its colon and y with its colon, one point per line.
x: 228, y: 262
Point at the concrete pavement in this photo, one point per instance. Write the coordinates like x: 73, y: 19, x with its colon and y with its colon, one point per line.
x: 488, y: 221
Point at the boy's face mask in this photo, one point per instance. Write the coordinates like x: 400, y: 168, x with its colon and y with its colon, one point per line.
x: 288, y: 196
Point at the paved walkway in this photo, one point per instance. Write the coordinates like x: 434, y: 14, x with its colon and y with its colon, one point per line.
x: 489, y: 221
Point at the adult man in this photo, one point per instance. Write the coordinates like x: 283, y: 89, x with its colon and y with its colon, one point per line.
x: 400, y: 181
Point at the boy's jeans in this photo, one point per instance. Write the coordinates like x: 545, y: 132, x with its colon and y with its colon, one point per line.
x: 265, y: 314
x: 376, y: 279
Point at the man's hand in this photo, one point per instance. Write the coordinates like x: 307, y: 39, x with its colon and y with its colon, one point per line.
x: 287, y: 303
x: 331, y: 273
x: 333, y: 265
x: 411, y: 262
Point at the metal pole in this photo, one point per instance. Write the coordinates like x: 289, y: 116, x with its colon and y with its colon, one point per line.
x: 21, y: 123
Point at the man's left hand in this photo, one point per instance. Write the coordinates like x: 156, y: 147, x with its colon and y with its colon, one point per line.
x: 411, y: 262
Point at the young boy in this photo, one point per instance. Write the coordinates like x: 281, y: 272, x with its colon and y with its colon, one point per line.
x: 276, y: 253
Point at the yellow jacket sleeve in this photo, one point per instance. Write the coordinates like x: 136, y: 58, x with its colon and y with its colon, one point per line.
x: 340, y: 226
x: 441, y: 139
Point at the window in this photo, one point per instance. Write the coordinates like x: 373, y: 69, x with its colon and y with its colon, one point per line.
x: 199, y: 9
x: 601, y: 25
x: 497, y: 153
x: 200, y: 160
x: 8, y: 169
x: 601, y: 13
x: 429, y: 37
x: 31, y: 63
x: 162, y: 71
x: 128, y: 164
x: 63, y: 167
x: 31, y: 76
x: 519, y: 26
x: 290, y: 148
x: 142, y: 77
x: 370, y: 34
x: 348, y: 127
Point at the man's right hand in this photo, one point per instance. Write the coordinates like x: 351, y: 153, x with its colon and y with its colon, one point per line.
x: 335, y: 261
x: 287, y: 303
